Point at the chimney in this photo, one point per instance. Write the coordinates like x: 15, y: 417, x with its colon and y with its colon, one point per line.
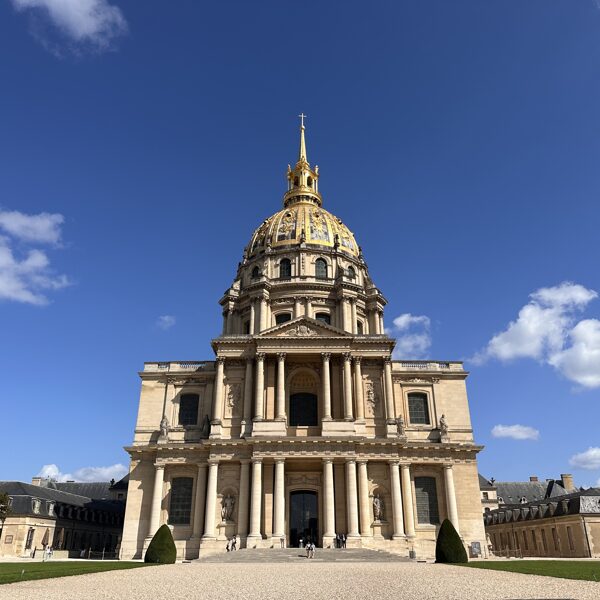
x: 36, y: 481
x: 533, y: 478
x: 567, y: 482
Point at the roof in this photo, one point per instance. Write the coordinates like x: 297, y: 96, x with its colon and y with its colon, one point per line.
x: 122, y: 484
x: 97, y: 490
x: 511, y: 492
x: 22, y: 494
x: 485, y: 484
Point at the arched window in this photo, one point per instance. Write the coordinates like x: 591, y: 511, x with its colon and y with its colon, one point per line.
x: 418, y: 409
x: 309, y: 181
x: 282, y: 318
x: 247, y: 327
x: 295, y: 181
x: 321, y: 268
x: 359, y: 327
x: 323, y: 317
x: 427, y: 501
x: 351, y: 273
x: 188, y: 409
x: 180, y: 507
x: 285, y: 269
x: 255, y: 273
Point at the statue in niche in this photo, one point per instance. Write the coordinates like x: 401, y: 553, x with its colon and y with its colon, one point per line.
x: 233, y: 396
x: 443, y: 426
x: 371, y: 397
x: 164, y: 428
x: 227, y: 508
x: 377, y: 508
x: 401, y: 426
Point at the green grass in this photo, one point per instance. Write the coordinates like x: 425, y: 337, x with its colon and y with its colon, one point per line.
x: 567, y: 569
x: 21, y: 571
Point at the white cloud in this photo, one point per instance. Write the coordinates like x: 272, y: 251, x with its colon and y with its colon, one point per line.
x: 87, y: 24
x: 42, y: 228
x: 85, y: 474
x: 413, y: 337
x: 590, y: 459
x: 516, y: 432
x: 545, y: 327
x: 166, y: 321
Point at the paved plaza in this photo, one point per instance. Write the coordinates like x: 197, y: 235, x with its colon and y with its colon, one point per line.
x: 290, y: 576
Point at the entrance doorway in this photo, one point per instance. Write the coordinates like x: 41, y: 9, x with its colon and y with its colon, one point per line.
x: 304, y: 518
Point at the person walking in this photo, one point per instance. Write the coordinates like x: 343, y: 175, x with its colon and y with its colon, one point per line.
x: 234, y: 543
x: 343, y: 540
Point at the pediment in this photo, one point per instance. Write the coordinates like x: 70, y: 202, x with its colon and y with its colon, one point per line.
x: 304, y: 327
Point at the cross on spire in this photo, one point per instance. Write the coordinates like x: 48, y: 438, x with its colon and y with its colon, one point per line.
x: 302, y: 117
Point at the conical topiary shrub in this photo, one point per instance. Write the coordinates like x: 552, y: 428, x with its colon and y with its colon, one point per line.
x: 162, y: 547
x: 449, y: 547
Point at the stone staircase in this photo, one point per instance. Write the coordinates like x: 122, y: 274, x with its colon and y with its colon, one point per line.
x: 279, y: 555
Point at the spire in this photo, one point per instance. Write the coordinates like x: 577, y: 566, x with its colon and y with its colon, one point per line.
x: 303, y: 181
x: 302, y: 153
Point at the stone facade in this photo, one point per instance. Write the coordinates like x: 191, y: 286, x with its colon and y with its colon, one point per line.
x: 302, y: 427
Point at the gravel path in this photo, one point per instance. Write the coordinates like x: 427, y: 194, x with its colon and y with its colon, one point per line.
x: 382, y: 581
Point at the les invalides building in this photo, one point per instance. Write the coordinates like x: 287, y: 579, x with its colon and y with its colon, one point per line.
x: 302, y: 427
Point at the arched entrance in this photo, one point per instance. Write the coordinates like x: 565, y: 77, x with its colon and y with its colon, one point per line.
x: 304, y: 518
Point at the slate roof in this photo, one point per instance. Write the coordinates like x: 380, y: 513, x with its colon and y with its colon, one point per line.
x: 122, y: 484
x: 485, y: 484
x: 96, y: 491
x: 511, y: 492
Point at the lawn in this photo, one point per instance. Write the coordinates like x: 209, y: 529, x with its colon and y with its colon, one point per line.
x: 21, y: 571
x: 567, y: 569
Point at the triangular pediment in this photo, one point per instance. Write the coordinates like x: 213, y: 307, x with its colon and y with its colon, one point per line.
x: 304, y: 327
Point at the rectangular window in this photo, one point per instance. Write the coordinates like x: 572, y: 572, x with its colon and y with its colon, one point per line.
x: 570, y: 538
x: 180, y: 507
x: 555, y: 538
x: 486, y: 496
x: 418, y: 409
x: 427, y: 502
x: 188, y: 409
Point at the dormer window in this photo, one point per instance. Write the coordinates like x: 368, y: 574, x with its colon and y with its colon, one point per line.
x: 255, y: 273
x: 351, y: 273
x: 309, y: 182
x: 283, y: 318
x: 36, y: 506
x: 296, y: 182
x: 323, y: 317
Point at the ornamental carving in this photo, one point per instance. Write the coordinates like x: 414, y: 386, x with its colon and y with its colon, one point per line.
x: 234, y: 395
x: 301, y: 330
x: 371, y: 396
x: 427, y: 380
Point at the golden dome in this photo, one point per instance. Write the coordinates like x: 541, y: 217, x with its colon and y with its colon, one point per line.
x: 303, y: 223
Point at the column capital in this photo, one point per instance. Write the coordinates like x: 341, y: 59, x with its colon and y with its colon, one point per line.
x: 448, y: 465
x: 212, y: 461
x: 281, y: 356
x: 347, y: 356
x: 404, y: 465
x: 260, y: 356
x: 202, y: 466
x: 159, y: 466
x: 394, y: 462
x: 357, y: 359
x: 220, y: 360
x: 326, y: 356
x: 279, y: 461
x: 328, y: 461
x: 244, y: 461
x: 249, y: 360
x: 362, y: 461
x: 256, y: 460
x: 352, y: 300
x: 387, y: 360
x: 350, y: 461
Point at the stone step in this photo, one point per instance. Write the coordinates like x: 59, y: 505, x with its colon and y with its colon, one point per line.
x: 280, y: 555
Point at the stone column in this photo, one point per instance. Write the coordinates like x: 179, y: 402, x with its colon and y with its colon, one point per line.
x: 363, y: 496
x: 308, y: 308
x: 346, y: 326
x: 244, y: 499
x: 260, y: 387
x: 279, y: 500
x: 354, y: 327
x: 255, y: 501
x: 390, y: 411
x: 348, y: 416
x: 263, y: 315
x: 381, y: 325
x: 451, y: 496
x: 280, y: 399
x: 407, y: 501
x: 247, y: 414
x: 224, y: 329
x: 199, y: 501
x: 397, y: 517
x: 297, y: 307
x: 252, y: 317
x: 328, y: 500
x: 157, y: 493
x: 217, y: 409
x: 326, y: 356
x: 375, y: 320
x: 211, y: 500
x: 358, y: 389
x: 351, y: 498
x: 229, y: 328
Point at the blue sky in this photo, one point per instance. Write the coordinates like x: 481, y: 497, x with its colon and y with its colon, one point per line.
x: 142, y: 142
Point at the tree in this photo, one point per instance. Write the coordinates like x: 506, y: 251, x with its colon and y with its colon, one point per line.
x: 162, y: 547
x: 449, y: 547
x: 4, y: 507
